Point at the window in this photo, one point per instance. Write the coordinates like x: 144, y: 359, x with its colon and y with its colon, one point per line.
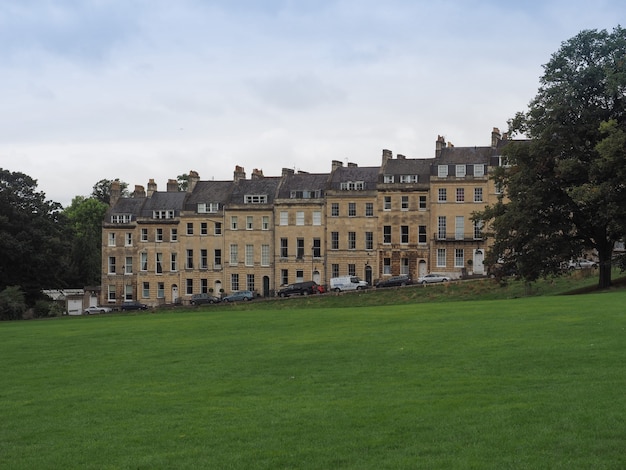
x: 144, y: 234
x: 409, y: 178
x: 334, y: 240
x: 204, y: 286
x: 369, y: 240
x: 387, y: 203
x: 128, y: 266
x: 351, y: 240
x: 129, y: 239
x: 189, y: 228
x: 284, y: 248
x: 478, y: 194
x: 213, y: 207
x: 144, y: 261
x: 249, y: 222
x: 265, y: 255
x: 404, y: 234
x: 299, y: 218
x: 387, y: 266
x: 250, y: 282
x: 441, y: 257
x: 217, y: 258
x: 189, y: 286
x: 388, y: 179
x: 353, y: 186
x: 351, y: 209
x: 479, y: 170
x: 460, y: 171
x: 334, y: 209
x: 201, y: 208
x: 121, y: 219
x: 158, y: 263
x: 111, y: 239
x: 459, y: 258
x: 159, y: 235
x: 204, y: 208
x: 306, y: 194
x: 442, y: 171
x: 145, y: 290
x: 387, y: 234
x: 111, y: 264
x: 404, y: 203
x: 299, y: 275
x: 442, y: 195
x: 234, y: 254
x: 249, y: 255
x: 284, y: 218
x: 317, y: 248
x: 174, y: 235
x: 300, y: 248
x: 459, y: 227
x: 351, y: 269
x: 128, y: 292
x: 284, y: 277
x: 421, y: 236
x: 204, y: 259
x: 265, y: 222
x: 460, y: 194
x: 204, y: 228
x: 189, y: 264
x: 173, y: 262
x: 317, y: 218
x: 255, y: 199
x: 160, y: 290
x: 233, y: 222
x: 111, y: 293
x: 422, y: 205
x: 218, y: 228
x: 404, y: 266
x: 369, y: 209
x: 334, y: 269
x: 478, y: 230
x: 163, y: 214
x: 441, y: 227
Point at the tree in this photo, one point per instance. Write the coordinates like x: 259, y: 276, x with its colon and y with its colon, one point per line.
x: 102, y: 190
x: 183, y: 181
x: 33, y: 241
x: 84, y: 220
x: 565, y: 188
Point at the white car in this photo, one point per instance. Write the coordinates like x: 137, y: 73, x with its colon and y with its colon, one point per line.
x: 432, y: 278
x: 92, y: 310
x: 582, y: 264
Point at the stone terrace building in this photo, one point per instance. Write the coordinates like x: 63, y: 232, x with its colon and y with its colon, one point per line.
x: 406, y: 216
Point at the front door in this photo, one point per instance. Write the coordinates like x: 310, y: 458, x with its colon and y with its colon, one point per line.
x: 477, y: 264
x: 174, y: 293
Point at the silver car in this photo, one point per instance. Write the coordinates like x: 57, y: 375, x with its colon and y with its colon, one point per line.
x: 93, y: 309
x: 432, y: 278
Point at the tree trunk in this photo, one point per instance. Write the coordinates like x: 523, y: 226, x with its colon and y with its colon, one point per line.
x: 604, y: 279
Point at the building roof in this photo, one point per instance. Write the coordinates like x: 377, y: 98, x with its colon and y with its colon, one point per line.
x: 163, y: 200
x: 265, y: 186
x: 209, y: 191
x: 302, y: 181
x: 353, y: 173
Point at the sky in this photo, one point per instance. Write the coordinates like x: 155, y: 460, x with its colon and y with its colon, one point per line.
x: 141, y: 89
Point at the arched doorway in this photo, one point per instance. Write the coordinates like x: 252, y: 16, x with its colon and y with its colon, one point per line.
x: 368, y: 275
x: 316, y: 276
x: 174, y: 293
x: 421, y: 268
x: 477, y: 264
x: 266, y: 286
x: 218, y: 288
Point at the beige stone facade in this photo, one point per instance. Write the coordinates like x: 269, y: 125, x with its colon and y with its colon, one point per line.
x: 406, y: 216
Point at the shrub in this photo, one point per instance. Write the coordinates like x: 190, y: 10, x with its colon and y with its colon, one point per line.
x: 12, y: 303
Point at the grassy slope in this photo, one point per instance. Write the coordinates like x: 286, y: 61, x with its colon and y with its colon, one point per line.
x: 523, y: 383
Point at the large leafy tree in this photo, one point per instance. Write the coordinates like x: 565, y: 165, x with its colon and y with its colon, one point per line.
x: 565, y: 189
x: 102, y: 190
x: 84, y: 221
x: 33, y: 241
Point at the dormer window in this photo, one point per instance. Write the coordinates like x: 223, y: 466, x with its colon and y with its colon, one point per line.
x: 442, y: 171
x: 205, y: 208
x: 409, y: 178
x: 121, y: 219
x: 388, y: 178
x: 255, y: 199
x: 479, y: 170
x: 306, y: 194
x: 353, y: 186
x: 163, y: 214
x: 461, y: 171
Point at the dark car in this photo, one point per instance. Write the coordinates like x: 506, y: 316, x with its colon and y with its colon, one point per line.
x: 239, y: 295
x: 199, y: 299
x: 299, y: 288
x: 395, y: 281
x: 133, y: 305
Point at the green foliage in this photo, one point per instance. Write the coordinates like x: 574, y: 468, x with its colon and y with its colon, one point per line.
x: 565, y: 189
x: 102, y: 190
x: 47, y: 308
x: 12, y: 303
x: 530, y: 383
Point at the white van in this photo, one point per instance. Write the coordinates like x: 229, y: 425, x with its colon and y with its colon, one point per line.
x: 342, y: 283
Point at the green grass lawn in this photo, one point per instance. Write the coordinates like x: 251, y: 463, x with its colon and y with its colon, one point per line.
x: 531, y: 383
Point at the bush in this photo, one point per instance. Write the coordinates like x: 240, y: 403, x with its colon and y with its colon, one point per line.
x: 12, y: 303
x: 46, y: 308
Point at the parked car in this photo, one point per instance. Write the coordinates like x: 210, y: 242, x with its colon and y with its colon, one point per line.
x: 582, y: 264
x: 432, y: 278
x: 94, y: 309
x: 299, y: 288
x: 199, y: 299
x: 239, y: 295
x: 320, y: 289
x: 133, y: 305
x: 394, y: 281
x: 344, y: 283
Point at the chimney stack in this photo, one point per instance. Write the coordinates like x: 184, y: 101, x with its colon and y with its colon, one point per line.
x: 495, y: 137
x: 139, y: 191
x: 152, y: 187
x: 336, y: 164
x: 257, y: 174
x: 287, y: 171
x: 172, y: 186
x: 115, y: 192
x: 193, y: 179
x: 387, y: 155
x: 439, y: 145
x: 239, y: 174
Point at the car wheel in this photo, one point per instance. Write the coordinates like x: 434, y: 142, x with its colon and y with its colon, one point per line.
x: 245, y: 299
x: 306, y: 292
x: 424, y: 283
x: 337, y: 289
x: 403, y: 284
